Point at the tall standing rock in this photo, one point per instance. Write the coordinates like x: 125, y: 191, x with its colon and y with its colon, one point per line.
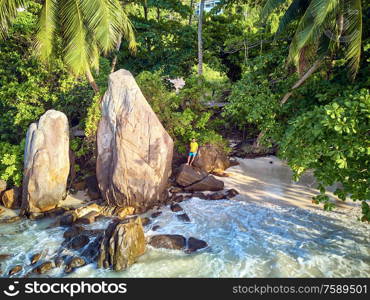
x: 134, y: 150
x: 46, y: 162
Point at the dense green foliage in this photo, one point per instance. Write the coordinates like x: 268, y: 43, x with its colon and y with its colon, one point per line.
x: 320, y: 124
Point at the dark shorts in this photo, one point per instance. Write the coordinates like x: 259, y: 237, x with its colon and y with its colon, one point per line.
x: 192, y: 153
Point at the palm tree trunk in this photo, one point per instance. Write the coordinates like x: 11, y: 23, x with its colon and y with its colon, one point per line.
x: 310, y: 71
x: 91, y: 80
x: 115, y: 58
x: 191, y: 12
x: 200, y: 38
x: 145, y: 7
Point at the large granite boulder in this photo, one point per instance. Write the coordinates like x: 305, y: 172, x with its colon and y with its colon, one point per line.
x: 46, y: 163
x: 211, y: 158
x: 134, y: 150
x: 122, y: 244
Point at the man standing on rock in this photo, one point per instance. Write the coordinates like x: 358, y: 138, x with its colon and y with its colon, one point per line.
x: 193, y: 151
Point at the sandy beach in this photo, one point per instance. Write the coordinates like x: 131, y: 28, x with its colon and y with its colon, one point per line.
x: 269, y: 179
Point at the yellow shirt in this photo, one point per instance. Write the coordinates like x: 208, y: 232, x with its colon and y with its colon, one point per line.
x: 193, y: 147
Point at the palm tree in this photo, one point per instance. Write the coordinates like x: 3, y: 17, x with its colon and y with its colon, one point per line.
x: 200, y: 38
x: 323, y: 27
x: 85, y: 28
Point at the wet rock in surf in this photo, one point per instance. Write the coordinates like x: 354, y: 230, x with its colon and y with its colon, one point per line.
x: 231, y: 193
x: 122, y: 244
x: 195, y: 245
x: 10, y: 220
x: 177, y: 198
x: 133, y: 147
x: 199, y: 195
x: 168, y: 241
x: 217, y: 196
x: 15, y: 270
x: 46, y: 163
x: 44, y: 267
x: 88, y: 218
x: 74, y: 263
x: 78, y: 242
x: 156, y: 227
x: 72, y: 232
x: 156, y: 214
x: 183, y: 217
x: 176, y: 207
x: 5, y: 256
x: 145, y: 221
x: 35, y: 258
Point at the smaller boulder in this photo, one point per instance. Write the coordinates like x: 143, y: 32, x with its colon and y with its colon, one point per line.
x: 211, y: 158
x: 199, y: 195
x: 188, y: 175
x: 175, y: 190
x: 145, y: 221
x: 35, y: 258
x: 74, y: 263
x: 231, y: 193
x: 156, y: 227
x: 79, y: 241
x: 72, y: 232
x: 195, y: 244
x: 43, y: 268
x: 210, y: 183
x: 168, y: 241
x: 176, y: 208
x: 217, y: 196
x: 12, y: 198
x: 92, y: 188
x: 156, y: 214
x: 183, y: 217
x: 15, y: 270
x: 89, y: 218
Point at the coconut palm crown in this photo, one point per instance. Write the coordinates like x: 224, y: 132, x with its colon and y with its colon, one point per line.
x: 85, y: 28
x: 323, y: 26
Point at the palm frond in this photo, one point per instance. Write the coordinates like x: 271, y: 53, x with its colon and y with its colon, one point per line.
x: 46, y: 30
x: 8, y: 12
x: 294, y: 12
x: 270, y: 6
x: 353, y: 36
x: 317, y: 17
x: 74, y: 36
x: 104, y: 18
x: 128, y: 32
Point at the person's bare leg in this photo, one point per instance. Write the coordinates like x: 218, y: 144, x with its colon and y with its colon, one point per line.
x: 188, y: 160
x: 192, y: 160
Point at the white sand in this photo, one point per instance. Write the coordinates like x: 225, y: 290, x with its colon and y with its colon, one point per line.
x: 260, y: 180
